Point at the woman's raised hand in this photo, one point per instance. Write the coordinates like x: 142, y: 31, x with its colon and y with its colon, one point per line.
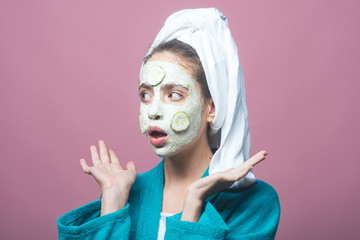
x: 115, y: 182
x: 205, y: 187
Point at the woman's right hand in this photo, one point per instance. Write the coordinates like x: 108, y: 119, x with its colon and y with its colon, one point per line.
x: 115, y: 182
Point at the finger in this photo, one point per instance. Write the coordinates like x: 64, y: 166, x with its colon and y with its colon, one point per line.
x: 236, y: 174
x: 131, y: 165
x: 209, y: 185
x: 113, y: 158
x: 258, y: 157
x: 84, y: 166
x: 243, y: 173
x: 94, y: 155
x: 104, y: 155
x: 240, y: 171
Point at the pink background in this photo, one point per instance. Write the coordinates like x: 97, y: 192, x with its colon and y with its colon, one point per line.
x: 69, y: 75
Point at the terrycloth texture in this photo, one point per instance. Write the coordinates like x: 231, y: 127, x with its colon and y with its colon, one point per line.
x: 248, y: 213
x: 162, y: 224
x: 206, y: 30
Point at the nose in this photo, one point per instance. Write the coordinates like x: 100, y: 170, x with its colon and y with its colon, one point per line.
x: 154, y: 117
x: 156, y: 111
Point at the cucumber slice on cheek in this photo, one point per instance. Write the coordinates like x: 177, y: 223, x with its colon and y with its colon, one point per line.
x: 180, y: 122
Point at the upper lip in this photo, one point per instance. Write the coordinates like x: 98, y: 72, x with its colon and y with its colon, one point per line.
x: 152, y: 129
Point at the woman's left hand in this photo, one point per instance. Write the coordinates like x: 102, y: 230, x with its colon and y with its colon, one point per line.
x: 205, y: 187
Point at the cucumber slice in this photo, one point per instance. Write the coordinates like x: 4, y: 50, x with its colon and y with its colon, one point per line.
x: 156, y: 75
x: 180, y: 122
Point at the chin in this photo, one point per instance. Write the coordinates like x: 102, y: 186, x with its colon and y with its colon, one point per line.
x: 164, y: 151
x: 174, y: 145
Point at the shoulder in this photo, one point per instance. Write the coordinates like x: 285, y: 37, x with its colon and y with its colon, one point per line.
x: 258, y: 199
x: 152, y: 177
x: 259, y: 191
x: 263, y: 196
x: 254, y: 210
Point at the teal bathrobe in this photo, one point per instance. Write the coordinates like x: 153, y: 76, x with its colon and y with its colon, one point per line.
x: 250, y: 213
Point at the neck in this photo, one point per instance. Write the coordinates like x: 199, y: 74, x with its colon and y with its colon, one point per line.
x: 188, y: 165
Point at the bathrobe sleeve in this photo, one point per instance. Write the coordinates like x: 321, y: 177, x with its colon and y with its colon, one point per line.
x: 251, y: 215
x: 86, y: 223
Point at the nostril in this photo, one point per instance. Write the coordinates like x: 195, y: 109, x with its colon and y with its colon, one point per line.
x: 155, y: 117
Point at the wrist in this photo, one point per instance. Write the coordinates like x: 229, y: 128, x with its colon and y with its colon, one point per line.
x: 113, y: 200
x: 114, y: 190
x: 195, y: 194
x: 192, y: 208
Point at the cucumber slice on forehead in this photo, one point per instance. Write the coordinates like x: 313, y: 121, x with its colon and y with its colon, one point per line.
x: 156, y: 75
x: 180, y: 122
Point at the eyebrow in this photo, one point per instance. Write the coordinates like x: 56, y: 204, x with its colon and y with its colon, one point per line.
x: 172, y: 85
x: 145, y: 85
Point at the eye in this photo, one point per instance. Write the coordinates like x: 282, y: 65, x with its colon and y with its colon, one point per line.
x: 175, y: 96
x: 145, y: 97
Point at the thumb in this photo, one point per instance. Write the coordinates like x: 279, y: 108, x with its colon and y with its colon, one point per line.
x: 130, y: 166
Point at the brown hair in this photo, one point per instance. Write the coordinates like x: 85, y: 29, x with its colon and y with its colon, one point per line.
x: 189, y: 55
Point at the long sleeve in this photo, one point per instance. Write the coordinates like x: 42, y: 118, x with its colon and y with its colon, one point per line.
x: 85, y: 223
x: 250, y: 214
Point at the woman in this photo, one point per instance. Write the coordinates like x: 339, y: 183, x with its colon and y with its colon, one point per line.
x: 192, y: 97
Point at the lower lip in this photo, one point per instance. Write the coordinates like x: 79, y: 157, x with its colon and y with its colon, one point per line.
x: 158, y: 141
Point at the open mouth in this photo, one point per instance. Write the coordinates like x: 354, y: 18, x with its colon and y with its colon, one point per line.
x: 157, y: 136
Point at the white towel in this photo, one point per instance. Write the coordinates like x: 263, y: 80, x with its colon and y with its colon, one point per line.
x: 206, y: 30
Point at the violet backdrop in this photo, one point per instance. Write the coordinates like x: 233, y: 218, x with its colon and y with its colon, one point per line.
x: 69, y: 76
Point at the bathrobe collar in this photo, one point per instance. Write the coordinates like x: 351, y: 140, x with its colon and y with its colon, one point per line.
x: 150, y: 215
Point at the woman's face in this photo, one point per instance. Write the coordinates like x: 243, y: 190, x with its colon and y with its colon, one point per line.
x: 171, y: 104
